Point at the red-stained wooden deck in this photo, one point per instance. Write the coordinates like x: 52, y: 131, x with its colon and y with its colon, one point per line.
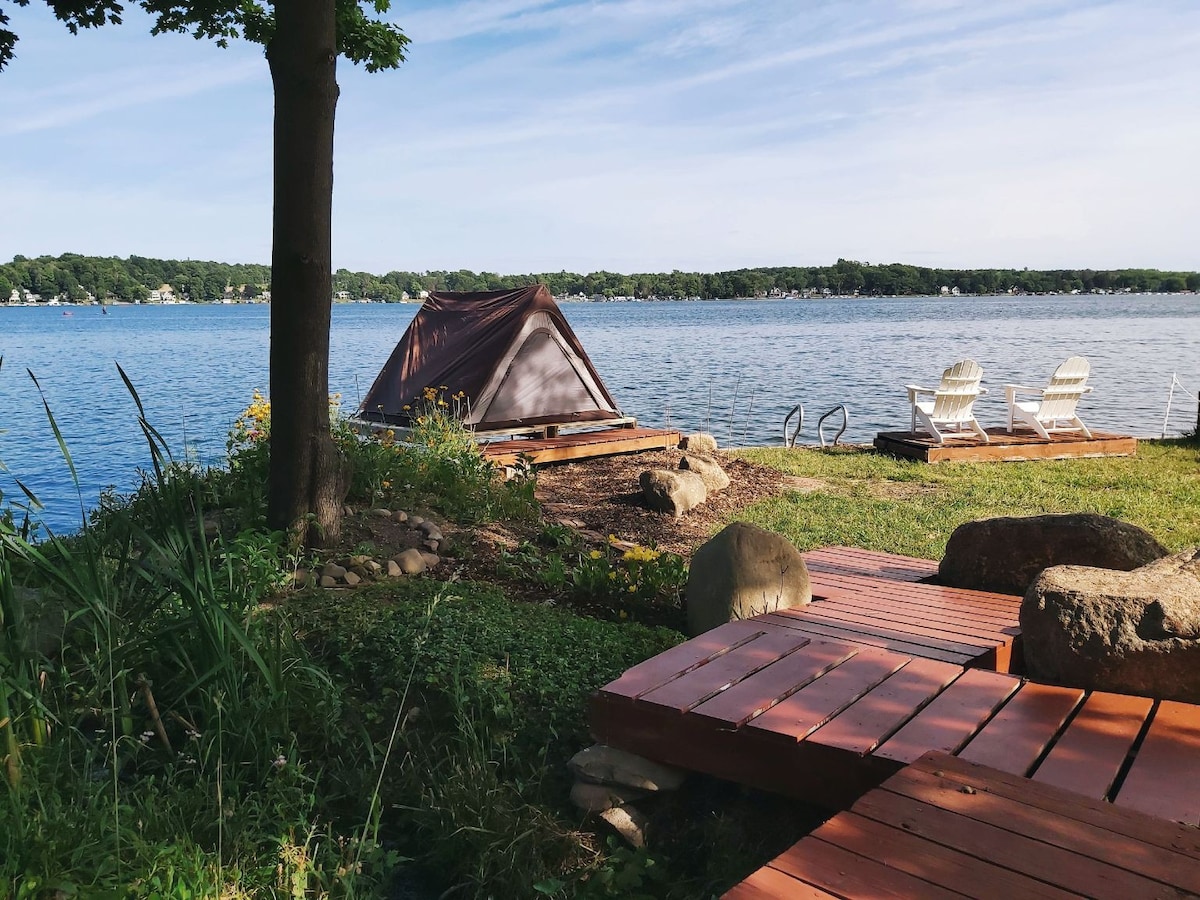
x: 942, y: 827
x: 1003, y: 447
x: 827, y: 701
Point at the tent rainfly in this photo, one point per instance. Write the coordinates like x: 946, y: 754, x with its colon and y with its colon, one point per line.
x: 501, y: 359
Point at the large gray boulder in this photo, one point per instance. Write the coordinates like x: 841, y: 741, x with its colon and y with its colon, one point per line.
x: 1128, y: 632
x: 742, y: 572
x: 1006, y: 554
x: 672, y: 492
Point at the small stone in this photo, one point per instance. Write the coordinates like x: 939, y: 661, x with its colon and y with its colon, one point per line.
x: 351, y: 579
x: 431, y: 559
x: 382, y: 513
x: 372, y: 566
x: 348, y: 511
x: 415, y: 521
x: 433, y: 534
x: 357, y: 560
x: 328, y: 581
x: 427, y: 525
x: 393, y: 569
x: 334, y: 571
x: 400, y: 516
x: 700, y: 442
x: 411, y: 562
x: 431, y: 546
x: 628, y: 822
x: 300, y: 578
x: 360, y: 571
x: 594, y: 798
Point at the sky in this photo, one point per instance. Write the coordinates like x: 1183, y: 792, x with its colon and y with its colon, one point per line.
x: 638, y: 136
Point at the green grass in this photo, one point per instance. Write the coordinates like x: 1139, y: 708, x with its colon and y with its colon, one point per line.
x: 864, y: 499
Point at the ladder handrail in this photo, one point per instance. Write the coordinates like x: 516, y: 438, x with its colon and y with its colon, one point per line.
x: 841, y: 431
x: 791, y: 442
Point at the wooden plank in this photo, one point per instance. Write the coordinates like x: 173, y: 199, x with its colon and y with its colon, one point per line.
x: 942, y: 602
x: 952, y: 717
x: 847, y: 874
x: 581, y: 446
x: 1165, y: 778
x: 1010, y: 849
x: 898, y: 848
x: 874, y: 718
x: 1057, y: 802
x: 1017, y: 735
x: 744, y: 701
x: 820, y: 631
x: 1092, y: 749
x: 770, y: 884
x: 1095, y: 841
x: 696, y: 686
x: 794, y: 717
x: 681, y: 658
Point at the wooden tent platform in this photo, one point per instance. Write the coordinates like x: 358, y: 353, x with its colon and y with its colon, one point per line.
x: 944, y: 828
x: 580, y: 445
x: 1003, y: 447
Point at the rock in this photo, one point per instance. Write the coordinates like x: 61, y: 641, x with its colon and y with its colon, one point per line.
x: 432, y: 560
x: 707, y: 468
x: 400, y: 516
x: 594, y: 798
x: 433, y: 534
x: 628, y: 822
x: 334, y: 571
x: 415, y: 521
x: 357, y: 560
x: 602, y: 764
x: 701, y: 442
x: 328, y: 581
x: 742, y: 572
x: 348, y: 511
x: 428, y: 526
x: 1128, y: 632
x: 352, y: 578
x: 672, y: 492
x: 361, y: 571
x: 431, y: 546
x: 393, y: 569
x: 1184, y: 563
x: 373, y: 567
x: 382, y: 513
x: 1006, y: 554
x: 410, y: 562
x: 301, y: 578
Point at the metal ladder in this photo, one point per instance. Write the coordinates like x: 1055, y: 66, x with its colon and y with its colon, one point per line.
x: 790, y: 440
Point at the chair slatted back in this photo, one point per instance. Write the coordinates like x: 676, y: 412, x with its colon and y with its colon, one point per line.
x: 956, y: 394
x: 1066, y: 386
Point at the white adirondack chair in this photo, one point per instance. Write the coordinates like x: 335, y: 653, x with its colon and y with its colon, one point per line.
x: 951, y: 411
x: 1054, y: 410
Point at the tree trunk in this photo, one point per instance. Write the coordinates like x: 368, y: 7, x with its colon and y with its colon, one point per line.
x: 308, y: 475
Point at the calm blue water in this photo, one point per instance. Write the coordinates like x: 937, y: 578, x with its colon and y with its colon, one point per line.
x: 734, y: 368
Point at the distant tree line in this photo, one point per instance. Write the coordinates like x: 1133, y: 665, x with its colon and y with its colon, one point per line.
x: 74, y: 277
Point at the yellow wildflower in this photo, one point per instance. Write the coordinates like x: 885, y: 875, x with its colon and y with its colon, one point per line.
x: 595, y: 554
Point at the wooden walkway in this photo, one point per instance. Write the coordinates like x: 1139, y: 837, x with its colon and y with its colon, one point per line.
x: 1003, y: 447
x: 580, y: 445
x: 944, y: 828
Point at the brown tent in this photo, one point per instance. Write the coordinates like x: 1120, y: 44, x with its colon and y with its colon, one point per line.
x: 509, y: 356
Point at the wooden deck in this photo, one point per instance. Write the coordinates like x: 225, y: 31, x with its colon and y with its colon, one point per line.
x: 1003, y: 447
x: 942, y: 827
x: 580, y: 445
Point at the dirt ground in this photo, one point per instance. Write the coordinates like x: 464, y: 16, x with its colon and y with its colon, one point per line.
x: 603, y: 494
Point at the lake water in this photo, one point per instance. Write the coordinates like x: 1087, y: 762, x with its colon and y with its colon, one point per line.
x: 732, y: 367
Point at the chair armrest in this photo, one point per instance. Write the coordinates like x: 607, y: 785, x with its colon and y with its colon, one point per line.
x: 917, y: 389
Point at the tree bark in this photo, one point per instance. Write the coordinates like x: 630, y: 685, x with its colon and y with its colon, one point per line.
x: 308, y: 476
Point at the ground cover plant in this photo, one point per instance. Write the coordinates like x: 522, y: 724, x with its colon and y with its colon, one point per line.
x: 178, y: 719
